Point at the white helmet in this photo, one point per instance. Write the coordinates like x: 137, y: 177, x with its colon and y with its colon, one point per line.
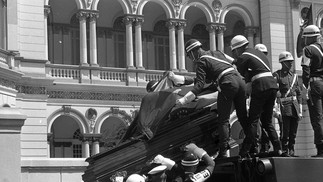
x: 261, y: 47
x: 285, y: 56
x: 238, y: 41
x: 135, y: 178
x: 311, y: 31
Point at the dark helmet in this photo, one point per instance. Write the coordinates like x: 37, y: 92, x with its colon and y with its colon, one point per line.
x: 151, y: 85
x: 191, y: 45
x: 189, y: 159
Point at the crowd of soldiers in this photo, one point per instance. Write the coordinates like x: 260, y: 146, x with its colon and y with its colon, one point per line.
x: 249, y: 78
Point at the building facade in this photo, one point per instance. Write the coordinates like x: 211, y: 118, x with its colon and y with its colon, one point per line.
x: 73, y: 72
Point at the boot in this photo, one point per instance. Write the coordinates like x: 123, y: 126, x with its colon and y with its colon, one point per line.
x: 265, y: 148
x: 291, y: 151
x: 223, y: 131
x: 285, y: 152
x: 277, y: 148
x: 319, y: 150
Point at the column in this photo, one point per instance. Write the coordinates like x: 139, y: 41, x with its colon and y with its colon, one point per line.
x: 95, y: 147
x: 138, y: 23
x: 11, y: 121
x: 220, y: 30
x: 93, y: 44
x: 181, y: 49
x: 172, y: 44
x: 128, y: 20
x: 81, y: 15
x: 211, y: 29
x: 251, y: 31
x: 85, y: 148
x: 50, y: 145
x: 46, y: 13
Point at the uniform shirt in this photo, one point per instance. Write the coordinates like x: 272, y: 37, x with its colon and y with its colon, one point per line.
x: 208, y: 69
x: 285, y: 81
x: 249, y: 66
x: 312, y: 62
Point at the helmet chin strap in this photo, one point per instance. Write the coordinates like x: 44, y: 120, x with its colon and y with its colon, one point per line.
x: 192, y: 55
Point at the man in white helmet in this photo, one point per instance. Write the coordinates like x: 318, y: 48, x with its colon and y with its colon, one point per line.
x: 214, y: 66
x: 189, y: 169
x: 262, y: 48
x: 312, y: 64
x: 136, y: 178
x: 254, y: 66
x: 289, y: 98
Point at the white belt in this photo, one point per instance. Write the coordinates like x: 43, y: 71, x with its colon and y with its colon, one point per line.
x: 260, y: 75
x: 291, y: 98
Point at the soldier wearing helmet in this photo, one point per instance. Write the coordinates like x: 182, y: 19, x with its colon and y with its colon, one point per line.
x: 255, y: 67
x: 312, y: 64
x: 215, y: 67
x: 136, y: 178
x: 290, y: 102
x: 189, y: 169
x: 261, y: 48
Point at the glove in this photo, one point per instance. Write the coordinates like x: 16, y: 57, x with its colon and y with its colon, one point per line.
x: 201, y: 176
x: 199, y: 152
x: 159, y: 159
x: 177, y: 79
x: 189, y: 97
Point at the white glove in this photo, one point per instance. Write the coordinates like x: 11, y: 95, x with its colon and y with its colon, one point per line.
x: 201, y: 176
x: 159, y: 159
x: 199, y: 152
x: 177, y: 79
x: 189, y: 97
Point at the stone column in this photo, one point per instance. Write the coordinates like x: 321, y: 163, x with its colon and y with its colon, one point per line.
x: 94, y: 15
x: 46, y: 13
x: 11, y: 121
x: 211, y: 29
x: 251, y: 31
x: 172, y: 44
x: 82, y: 16
x: 220, y: 30
x: 181, y: 49
x: 138, y: 23
x: 85, y: 148
x: 128, y: 20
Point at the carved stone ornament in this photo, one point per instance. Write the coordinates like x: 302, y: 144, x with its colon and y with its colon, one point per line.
x: 66, y: 109
x: 134, y: 4
x: 217, y: 5
x: 177, y: 4
x: 91, y: 115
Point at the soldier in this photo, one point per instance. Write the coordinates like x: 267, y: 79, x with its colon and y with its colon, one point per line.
x: 213, y: 66
x: 290, y: 102
x: 313, y: 80
x: 189, y: 169
x: 254, y: 66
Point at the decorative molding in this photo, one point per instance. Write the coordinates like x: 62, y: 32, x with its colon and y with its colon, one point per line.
x: 177, y: 5
x: 67, y: 109
x: 7, y: 83
x: 217, y: 6
x: 93, y: 15
x: 134, y: 4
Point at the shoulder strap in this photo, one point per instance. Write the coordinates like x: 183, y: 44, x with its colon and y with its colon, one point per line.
x: 292, y: 85
x: 316, y: 47
x: 247, y: 53
x: 216, y: 59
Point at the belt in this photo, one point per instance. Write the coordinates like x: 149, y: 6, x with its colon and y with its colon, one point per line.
x: 291, y: 98
x: 312, y: 79
x: 260, y: 75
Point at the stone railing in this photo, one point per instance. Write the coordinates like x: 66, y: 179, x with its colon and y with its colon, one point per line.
x: 104, y: 75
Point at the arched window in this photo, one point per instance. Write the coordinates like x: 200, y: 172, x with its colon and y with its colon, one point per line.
x: 66, y: 138
x: 119, y: 39
x: 161, y: 42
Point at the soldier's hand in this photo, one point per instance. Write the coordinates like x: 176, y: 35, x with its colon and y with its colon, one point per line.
x: 190, y: 147
x: 159, y: 159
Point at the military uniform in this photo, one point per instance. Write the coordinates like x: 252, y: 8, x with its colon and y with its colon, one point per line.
x: 313, y: 80
x: 231, y: 89
x: 289, y: 100
x: 254, y: 65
